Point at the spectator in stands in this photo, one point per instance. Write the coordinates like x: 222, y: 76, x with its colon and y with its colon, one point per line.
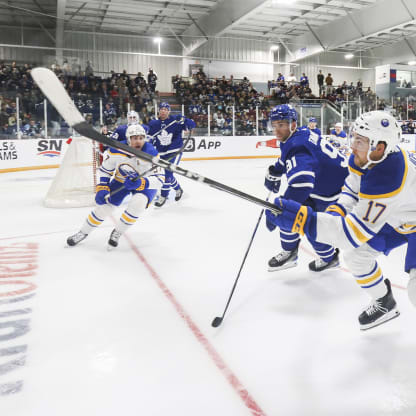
x: 280, y: 78
x: 89, y: 72
x: 409, y: 127
x: 151, y: 80
x: 291, y: 79
x: 304, y: 81
x: 329, y: 82
x: 320, y: 78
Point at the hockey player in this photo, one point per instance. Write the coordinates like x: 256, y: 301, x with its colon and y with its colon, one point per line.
x: 338, y: 136
x: 122, y: 175
x: 312, y: 126
x: 167, y: 138
x: 315, y: 173
x: 375, y: 213
x: 119, y: 133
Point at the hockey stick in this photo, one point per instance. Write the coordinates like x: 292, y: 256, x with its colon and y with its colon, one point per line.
x: 55, y: 92
x: 218, y: 320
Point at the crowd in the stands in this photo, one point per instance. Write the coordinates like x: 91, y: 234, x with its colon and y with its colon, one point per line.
x: 231, y: 105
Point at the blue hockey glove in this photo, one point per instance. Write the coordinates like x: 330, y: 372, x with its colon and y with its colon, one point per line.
x: 137, y: 184
x: 180, y: 118
x: 270, y: 226
x: 295, y: 217
x: 272, y: 180
x: 101, y: 192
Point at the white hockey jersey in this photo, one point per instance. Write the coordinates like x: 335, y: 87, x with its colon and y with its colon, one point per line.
x: 384, y: 193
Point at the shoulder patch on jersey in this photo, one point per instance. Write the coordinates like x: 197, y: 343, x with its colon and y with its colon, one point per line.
x: 353, y: 168
x: 385, y: 179
x: 112, y: 151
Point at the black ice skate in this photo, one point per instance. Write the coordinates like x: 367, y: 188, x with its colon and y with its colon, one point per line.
x: 179, y: 193
x: 380, y: 310
x: 76, y: 238
x: 160, y: 202
x: 284, y: 260
x: 113, y: 240
x: 319, y: 265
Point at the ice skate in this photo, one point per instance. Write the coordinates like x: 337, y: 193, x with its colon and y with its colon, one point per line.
x: 284, y: 260
x: 161, y: 201
x: 179, y: 193
x: 113, y: 240
x: 319, y: 265
x: 73, y: 240
x: 380, y: 310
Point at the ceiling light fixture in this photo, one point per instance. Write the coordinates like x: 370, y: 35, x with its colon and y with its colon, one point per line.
x: 411, y: 63
x: 349, y: 56
x: 274, y: 47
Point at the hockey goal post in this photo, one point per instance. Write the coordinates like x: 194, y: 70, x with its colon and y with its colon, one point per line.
x: 76, y: 179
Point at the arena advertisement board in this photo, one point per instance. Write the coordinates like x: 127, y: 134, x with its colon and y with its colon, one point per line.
x: 31, y: 154
x: 218, y: 147
x: 48, y: 153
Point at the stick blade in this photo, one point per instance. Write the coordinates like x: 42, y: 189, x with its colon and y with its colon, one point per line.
x: 54, y: 90
x: 216, y: 322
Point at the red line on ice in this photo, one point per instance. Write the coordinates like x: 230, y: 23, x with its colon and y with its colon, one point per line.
x: 214, y: 355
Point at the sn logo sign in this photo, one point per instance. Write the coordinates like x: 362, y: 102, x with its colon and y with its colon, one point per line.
x: 191, y: 145
x: 50, y: 148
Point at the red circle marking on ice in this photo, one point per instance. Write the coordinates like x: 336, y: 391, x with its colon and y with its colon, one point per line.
x: 30, y: 287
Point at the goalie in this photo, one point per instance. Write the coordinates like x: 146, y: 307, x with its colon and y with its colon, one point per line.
x: 122, y: 175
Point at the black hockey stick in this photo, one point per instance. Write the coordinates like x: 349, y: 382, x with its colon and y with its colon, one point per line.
x: 218, y: 320
x: 55, y: 92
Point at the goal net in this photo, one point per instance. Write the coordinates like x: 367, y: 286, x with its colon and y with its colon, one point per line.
x: 75, y: 181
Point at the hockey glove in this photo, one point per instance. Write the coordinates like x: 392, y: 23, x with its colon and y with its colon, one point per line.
x: 272, y: 180
x: 102, y: 191
x: 269, y: 224
x: 294, y: 217
x: 336, y: 209
x: 138, y: 184
x: 180, y: 118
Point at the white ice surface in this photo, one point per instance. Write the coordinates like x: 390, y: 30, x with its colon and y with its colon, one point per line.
x: 106, y: 340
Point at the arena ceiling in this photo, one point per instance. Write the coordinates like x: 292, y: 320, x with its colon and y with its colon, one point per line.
x: 193, y: 22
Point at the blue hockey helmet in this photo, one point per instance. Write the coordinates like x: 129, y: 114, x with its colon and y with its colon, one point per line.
x: 283, y: 112
x: 164, y: 105
x: 312, y: 120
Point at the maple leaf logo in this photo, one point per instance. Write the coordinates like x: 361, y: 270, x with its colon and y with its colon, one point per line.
x: 165, y: 138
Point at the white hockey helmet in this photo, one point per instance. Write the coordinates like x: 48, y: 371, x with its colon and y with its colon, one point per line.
x: 133, y: 117
x: 378, y: 126
x: 135, y: 130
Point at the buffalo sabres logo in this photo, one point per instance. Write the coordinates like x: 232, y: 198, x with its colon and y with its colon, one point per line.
x: 165, y: 138
x: 385, y: 122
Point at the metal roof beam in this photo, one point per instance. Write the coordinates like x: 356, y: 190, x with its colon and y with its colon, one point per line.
x: 356, y: 26
x: 223, y: 17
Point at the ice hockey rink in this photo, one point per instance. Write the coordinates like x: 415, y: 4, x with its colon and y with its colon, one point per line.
x: 84, y: 331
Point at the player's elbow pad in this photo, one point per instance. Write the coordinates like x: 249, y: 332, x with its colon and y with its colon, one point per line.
x: 336, y: 209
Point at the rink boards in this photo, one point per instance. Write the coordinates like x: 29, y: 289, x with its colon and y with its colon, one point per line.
x: 27, y: 154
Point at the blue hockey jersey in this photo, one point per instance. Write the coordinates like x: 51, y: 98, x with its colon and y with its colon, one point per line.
x: 169, y: 139
x: 314, y: 169
x: 119, y: 133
